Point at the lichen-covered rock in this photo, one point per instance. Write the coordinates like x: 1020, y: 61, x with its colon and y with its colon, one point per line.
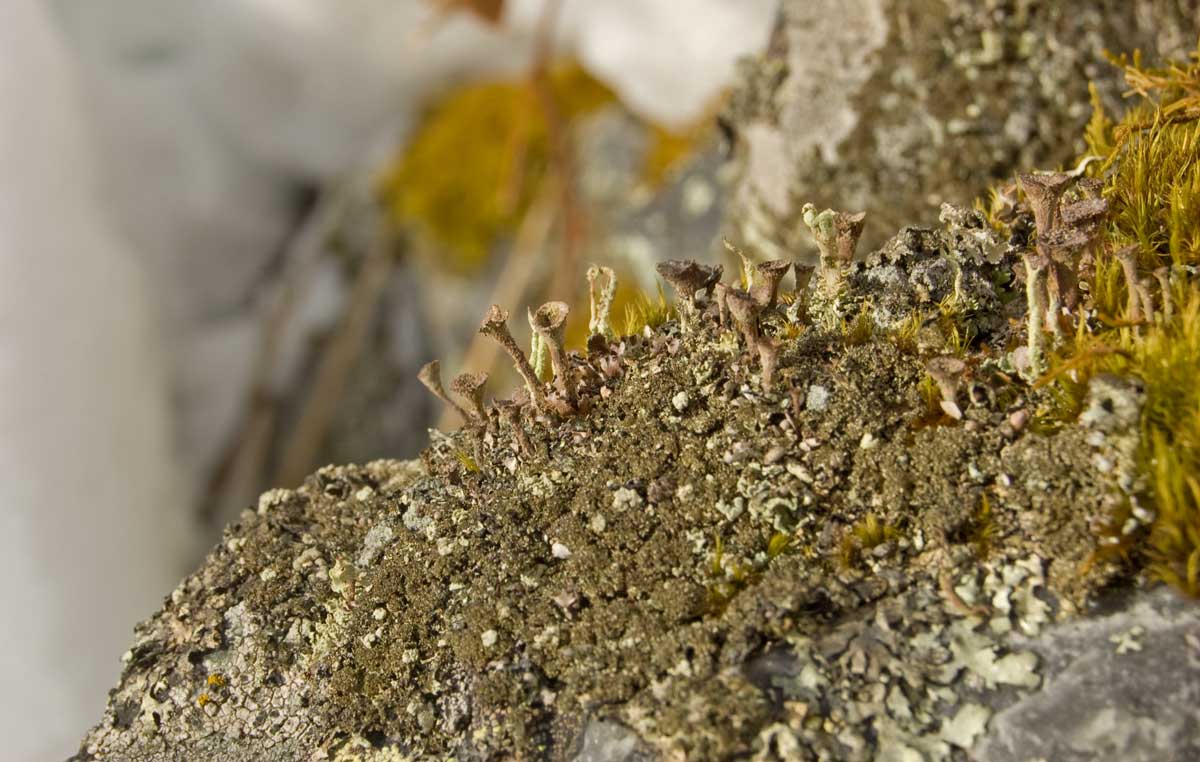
x: 897, y: 107
x: 1120, y: 686
x: 961, y: 265
x: 689, y: 567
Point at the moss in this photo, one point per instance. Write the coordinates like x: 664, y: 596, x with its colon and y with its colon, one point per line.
x: 1151, y: 178
x: 778, y: 544
x: 641, y: 310
x: 1151, y: 160
x: 904, y: 336
x: 862, y: 538
x: 860, y: 330
x: 467, y: 461
x: 984, y: 530
x: 929, y: 410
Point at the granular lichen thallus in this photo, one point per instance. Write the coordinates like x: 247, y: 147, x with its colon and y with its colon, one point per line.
x: 506, y: 583
x: 534, y: 572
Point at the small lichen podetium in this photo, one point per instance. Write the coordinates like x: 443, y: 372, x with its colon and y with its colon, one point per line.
x: 836, y: 234
x: 495, y: 327
x: 600, y: 299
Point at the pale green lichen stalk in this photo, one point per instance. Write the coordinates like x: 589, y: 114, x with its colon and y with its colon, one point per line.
x: 600, y: 300
x: 836, y: 235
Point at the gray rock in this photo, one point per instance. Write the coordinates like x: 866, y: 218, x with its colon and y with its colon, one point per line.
x: 605, y: 741
x: 1123, y: 686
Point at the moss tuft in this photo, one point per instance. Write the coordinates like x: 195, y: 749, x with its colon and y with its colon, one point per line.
x: 863, y: 537
x: 860, y: 330
x: 642, y: 310
x: 1138, y: 324
x: 1151, y: 164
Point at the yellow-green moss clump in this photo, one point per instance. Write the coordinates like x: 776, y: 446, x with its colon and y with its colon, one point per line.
x: 477, y: 160
x: 1151, y: 161
x: 1149, y: 165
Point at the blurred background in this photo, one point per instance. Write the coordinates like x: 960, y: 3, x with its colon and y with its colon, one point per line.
x: 232, y: 231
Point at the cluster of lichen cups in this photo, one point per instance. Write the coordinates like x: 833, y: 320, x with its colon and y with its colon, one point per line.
x: 1094, y: 303
x: 701, y: 298
x: 1068, y: 214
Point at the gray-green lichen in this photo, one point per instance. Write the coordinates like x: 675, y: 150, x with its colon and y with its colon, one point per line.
x: 635, y: 563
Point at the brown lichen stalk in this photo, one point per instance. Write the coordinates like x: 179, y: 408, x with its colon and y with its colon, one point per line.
x: 470, y: 386
x: 836, y: 234
x: 430, y: 377
x: 688, y: 277
x: 495, y: 327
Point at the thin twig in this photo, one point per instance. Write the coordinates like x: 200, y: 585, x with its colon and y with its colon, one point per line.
x: 562, y: 152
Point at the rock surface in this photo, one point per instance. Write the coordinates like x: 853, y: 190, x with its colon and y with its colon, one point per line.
x: 1120, y: 686
x: 675, y: 556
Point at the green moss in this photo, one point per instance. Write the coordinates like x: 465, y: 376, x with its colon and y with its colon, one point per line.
x: 953, y: 317
x: 467, y: 461
x: 1151, y: 164
x: 861, y: 538
x: 904, y: 336
x: 1175, y: 536
x: 983, y: 530
x: 641, y: 310
x: 1149, y: 170
x: 728, y: 577
x: 860, y: 330
x: 778, y: 543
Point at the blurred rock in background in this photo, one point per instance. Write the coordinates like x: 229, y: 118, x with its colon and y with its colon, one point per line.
x: 897, y: 107
x: 221, y: 123
x: 92, y: 526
